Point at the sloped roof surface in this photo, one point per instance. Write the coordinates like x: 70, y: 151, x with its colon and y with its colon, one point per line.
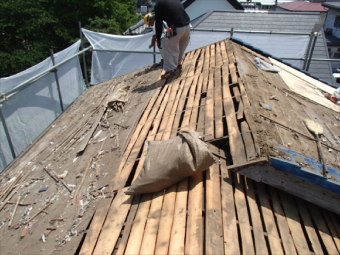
x: 275, y: 22
x: 335, y: 5
x: 303, y: 6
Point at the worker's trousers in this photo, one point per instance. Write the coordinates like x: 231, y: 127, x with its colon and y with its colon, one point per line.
x: 173, y: 48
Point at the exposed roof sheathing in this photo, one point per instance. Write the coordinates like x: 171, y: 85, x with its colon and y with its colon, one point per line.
x: 275, y: 22
x: 218, y: 94
x: 304, y: 6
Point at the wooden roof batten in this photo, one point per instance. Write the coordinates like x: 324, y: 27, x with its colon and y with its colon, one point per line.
x: 222, y: 210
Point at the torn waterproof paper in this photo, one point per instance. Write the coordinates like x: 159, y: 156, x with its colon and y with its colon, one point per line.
x: 168, y: 162
x: 266, y: 66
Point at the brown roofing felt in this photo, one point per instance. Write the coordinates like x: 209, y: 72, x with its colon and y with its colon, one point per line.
x: 304, y: 6
x: 219, y: 211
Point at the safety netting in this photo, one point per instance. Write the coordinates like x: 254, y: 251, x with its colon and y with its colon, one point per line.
x: 115, y: 55
x: 28, y: 109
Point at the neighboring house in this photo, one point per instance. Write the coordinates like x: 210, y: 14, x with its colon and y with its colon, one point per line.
x: 262, y: 4
x: 288, y: 22
x: 332, y: 33
x: 301, y: 6
x: 196, y: 8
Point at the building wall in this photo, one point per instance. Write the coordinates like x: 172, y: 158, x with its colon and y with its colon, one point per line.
x: 329, y: 24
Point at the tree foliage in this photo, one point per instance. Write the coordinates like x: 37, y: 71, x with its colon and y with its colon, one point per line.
x: 29, y: 28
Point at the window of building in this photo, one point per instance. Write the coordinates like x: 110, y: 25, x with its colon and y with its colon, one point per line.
x: 337, y: 21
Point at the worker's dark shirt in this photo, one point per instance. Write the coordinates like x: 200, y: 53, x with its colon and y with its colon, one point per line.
x: 172, y: 12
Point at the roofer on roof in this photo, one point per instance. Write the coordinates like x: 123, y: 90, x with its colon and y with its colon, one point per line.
x: 173, y: 45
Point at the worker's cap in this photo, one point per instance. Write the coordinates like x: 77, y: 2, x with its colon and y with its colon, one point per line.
x: 148, y: 18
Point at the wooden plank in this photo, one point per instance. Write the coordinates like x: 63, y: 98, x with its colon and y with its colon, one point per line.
x: 212, y: 56
x: 218, y: 104
x: 136, y: 235
x: 269, y: 221
x: 177, y: 238
x: 163, y: 238
x: 286, y: 237
x: 128, y: 225
x: 248, y: 115
x: 237, y: 96
x: 237, y: 149
x: 248, y: 141
x: 175, y: 89
x: 294, y: 224
x: 151, y: 229
x: 308, y: 225
x: 195, y: 228
x: 199, y: 67
x: 181, y: 105
x: 194, y: 113
x: 113, y: 223
x: 230, y: 232
x: 206, y: 64
x: 225, y: 58
x: 256, y: 222
x: 332, y: 229
x: 233, y: 74
x: 213, y: 227
x: 323, y: 231
x: 243, y: 217
x: 209, y: 105
x: 219, y: 61
x: 96, y: 226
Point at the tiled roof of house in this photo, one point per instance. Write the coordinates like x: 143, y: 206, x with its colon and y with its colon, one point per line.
x: 304, y: 6
x: 301, y: 22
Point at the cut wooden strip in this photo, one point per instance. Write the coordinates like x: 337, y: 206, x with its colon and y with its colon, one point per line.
x: 96, y: 226
x: 260, y: 242
x: 230, y: 51
x: 331, y: 228
x: 233, y: 75
x: 175, y: 89
x: 219, y: 61
x: 248, y: 115
x: 287, y: 239
x: 152, y: 224
x: 195, y: 229
x: 163, y: 238
x: 181, y: 105
x: 240, y: 111
x: 308, y: 224
x: 218, y: 104
x: 177, y: 238
x: 128, y: 225
x: 237, y: 149
x: 194, y: 113
x: 248, y: 141
x: 213, y: 228
x: 137, y: 231
x: 212, y: 56
x: 114, y: 223
x: 322, y: 229
x: 243, y: 217
x: 230, y: 232
x: 206, y: 64
x: 225, y: 58
x: 294, y: 224
x: 269, y: 221
x: 209, y: 111
x: 199, y: 67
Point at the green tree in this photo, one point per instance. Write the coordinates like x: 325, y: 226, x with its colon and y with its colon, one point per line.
x: 29, y: 28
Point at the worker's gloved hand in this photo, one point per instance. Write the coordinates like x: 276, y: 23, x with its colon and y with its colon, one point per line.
x: 159, y: 44
x: 153, y: 41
